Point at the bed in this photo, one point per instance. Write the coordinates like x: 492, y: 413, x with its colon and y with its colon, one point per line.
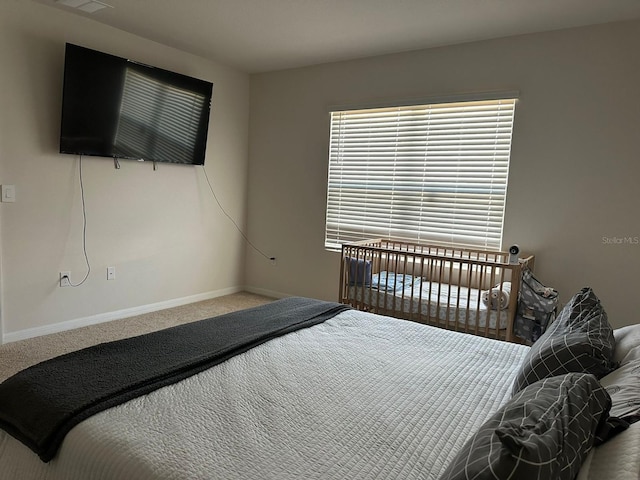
x: 345, y: 394
x: 473, y: 291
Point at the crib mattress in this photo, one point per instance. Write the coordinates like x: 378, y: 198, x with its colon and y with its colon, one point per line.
x: 449, y: 304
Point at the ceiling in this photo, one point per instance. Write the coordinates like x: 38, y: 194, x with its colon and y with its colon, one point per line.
x: 265, y: 35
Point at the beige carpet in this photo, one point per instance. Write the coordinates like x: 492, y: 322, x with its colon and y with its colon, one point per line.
x: 18, y: 355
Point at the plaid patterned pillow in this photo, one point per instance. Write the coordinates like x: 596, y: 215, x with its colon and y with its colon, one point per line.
x: 580, y: 340
x: 544, y: 432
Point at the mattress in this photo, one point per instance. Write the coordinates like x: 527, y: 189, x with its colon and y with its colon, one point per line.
x: 448, y: 303
x: 359, y: 396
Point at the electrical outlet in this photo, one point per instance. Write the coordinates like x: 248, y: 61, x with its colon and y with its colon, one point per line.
x: 65, y: 279
x: 111, y: 273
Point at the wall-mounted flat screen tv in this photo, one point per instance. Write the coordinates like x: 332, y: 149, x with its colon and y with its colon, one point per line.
x: 118, y: 108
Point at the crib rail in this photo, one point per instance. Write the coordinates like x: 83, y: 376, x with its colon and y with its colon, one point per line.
x: 467, y: 290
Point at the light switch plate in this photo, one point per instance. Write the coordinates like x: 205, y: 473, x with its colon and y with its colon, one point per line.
x: 8, y: 193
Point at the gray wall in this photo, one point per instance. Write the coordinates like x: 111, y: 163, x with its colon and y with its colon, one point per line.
x: 162, y: 230
x: 574, y: 167
x: 573, y: 173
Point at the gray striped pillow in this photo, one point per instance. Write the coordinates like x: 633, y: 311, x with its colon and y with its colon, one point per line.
x: 544, y: 432
x: 580, y: 340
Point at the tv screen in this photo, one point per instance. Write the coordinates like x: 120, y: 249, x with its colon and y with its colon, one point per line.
x: 117, y: 108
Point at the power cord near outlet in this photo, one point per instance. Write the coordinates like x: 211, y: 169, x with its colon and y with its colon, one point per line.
x: 65, y: 277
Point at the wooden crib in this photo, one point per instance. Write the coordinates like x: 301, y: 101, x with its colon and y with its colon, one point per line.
x: 473, y: 291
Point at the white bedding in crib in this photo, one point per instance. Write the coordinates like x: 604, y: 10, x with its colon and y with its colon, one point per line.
x: 448, y: 303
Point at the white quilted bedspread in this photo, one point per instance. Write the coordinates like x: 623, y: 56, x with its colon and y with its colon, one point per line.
x: 357, y: 397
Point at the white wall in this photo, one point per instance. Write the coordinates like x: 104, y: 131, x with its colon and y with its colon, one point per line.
x: 161, y: 230
x: 574, y: 166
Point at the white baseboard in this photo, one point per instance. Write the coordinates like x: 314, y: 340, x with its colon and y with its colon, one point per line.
x: 266, y: 293
x: 116, y: 315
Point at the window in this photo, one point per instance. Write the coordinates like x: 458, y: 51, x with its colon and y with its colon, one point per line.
x: 422, y: 173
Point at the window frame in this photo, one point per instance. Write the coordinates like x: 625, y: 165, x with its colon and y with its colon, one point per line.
x: 346, y: 157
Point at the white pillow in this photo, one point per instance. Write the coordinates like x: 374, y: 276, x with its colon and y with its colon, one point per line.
x: 623, y: 385
x: 627, y: 344
x: 618, y: 458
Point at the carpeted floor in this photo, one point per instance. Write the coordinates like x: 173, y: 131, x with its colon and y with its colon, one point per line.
x: 18, y: 355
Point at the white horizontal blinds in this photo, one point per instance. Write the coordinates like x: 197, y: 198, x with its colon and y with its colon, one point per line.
x: 432, y: 173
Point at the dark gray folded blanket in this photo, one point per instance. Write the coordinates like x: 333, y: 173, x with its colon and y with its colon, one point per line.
x: 40, y: 404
